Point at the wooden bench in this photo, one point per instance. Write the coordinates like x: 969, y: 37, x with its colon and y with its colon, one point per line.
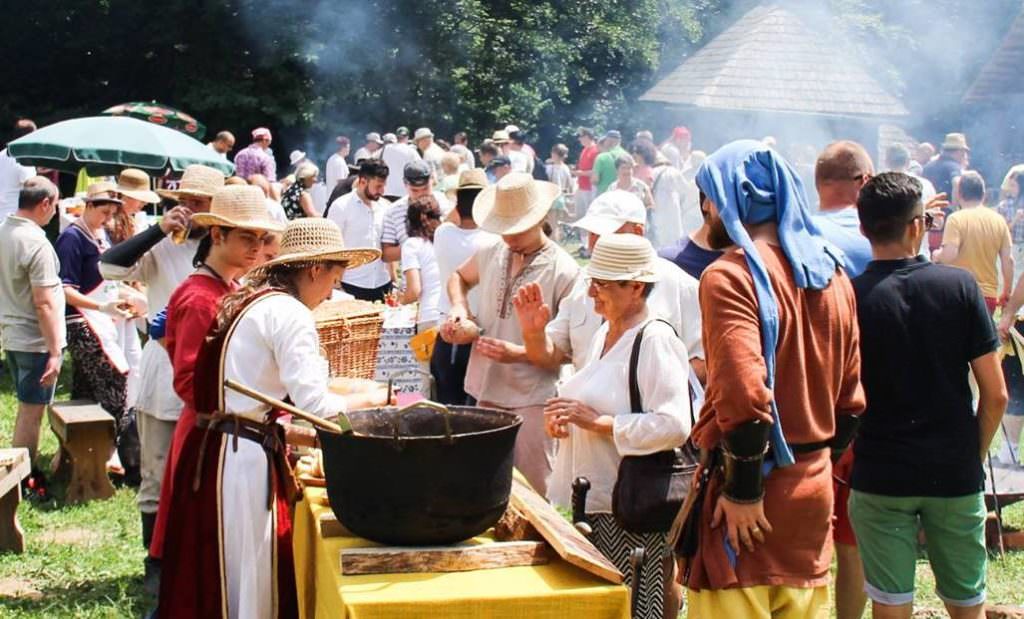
x: 86, y: 434
x: 14, y: 467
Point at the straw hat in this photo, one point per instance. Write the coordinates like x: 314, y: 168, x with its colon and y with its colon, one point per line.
x: 135, y: 184
x: 315, y: 239
x: 422, y: 132
x: 500, y: 137
x: 514, y: 204
x: 955, y: 141
x: 102, y: 192
x: 198, y: 180
x: 474, y: 178
x: 238, y: 206
x: 623, y: 258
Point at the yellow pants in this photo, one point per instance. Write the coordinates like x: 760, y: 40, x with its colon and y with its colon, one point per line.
x: 763, y: 602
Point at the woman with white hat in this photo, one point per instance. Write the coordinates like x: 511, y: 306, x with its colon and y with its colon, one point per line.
x: 133, y: 187
x: 296, y: 199
x: 228, y: 549
x: 593, y: 415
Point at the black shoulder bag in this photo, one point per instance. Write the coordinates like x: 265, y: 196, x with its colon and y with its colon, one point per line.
x: 650, y: 490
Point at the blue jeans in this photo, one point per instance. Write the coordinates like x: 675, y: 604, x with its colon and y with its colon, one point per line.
x: 26, y: 369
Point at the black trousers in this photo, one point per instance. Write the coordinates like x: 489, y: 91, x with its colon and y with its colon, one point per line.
x: 448, y: 367
x: 367, y: 294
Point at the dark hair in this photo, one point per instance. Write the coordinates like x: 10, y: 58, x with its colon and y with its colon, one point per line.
x: 646, y: 149
x: 886, y: 205
x: 420, y: 210
x: 489, y: 149
x: 585, y: 131
x: 464, y: 199
x: 34, y: 191
x: 373, y: 168
x: 518, y: 137
x: 972, y: 186
x: 206, y: 244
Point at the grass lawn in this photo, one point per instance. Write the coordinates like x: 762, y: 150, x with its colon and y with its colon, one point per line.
x: 86, y: 561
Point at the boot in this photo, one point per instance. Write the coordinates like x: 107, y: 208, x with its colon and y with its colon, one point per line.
x: 151, y: 580
x: 1009, y: 453
x: 148, y: 524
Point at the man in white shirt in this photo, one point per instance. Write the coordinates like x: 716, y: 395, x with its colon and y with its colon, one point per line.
x: 337, y: 166
x: 360, y: 215
x: 418, y: 183
x: 397, y: 156
x: 12, y: 174
x: 567, y: 336
x: 371, y: 149
x: 223, y: 144
x: 518, y: 161
x: 431, y: 152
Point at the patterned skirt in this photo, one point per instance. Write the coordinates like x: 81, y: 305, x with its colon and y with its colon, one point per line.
x: 616, y: 543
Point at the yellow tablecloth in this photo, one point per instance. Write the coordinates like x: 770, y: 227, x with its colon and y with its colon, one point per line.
x: 553, y: 590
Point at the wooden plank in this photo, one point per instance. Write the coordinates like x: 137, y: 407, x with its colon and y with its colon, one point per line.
x: 458, y: 558
x: 569, y: 543
x: 14, y: 468
x: 330, y: 527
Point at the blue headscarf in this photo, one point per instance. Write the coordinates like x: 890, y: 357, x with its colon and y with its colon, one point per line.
x: 750, y: 184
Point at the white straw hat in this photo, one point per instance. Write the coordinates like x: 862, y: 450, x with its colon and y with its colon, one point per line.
x: 238, y: 206
x: 514, y: 204
x: 623, y: 258
x: 135, y: 184
x: 198, y: 180
x: 610, y: 210
x: 315, y: 239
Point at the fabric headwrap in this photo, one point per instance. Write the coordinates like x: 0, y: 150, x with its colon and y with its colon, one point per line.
x: 751, y: 184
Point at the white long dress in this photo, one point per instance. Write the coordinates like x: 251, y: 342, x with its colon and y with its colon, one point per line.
x: 274, y: 350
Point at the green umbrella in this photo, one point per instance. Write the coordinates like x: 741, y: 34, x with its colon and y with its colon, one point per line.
x: 160, y: 114
x: 108, y: 144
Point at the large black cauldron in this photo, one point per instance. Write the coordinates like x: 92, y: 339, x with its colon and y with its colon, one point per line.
x: 420, y: 476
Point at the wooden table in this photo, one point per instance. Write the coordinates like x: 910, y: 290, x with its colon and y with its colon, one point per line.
x: 14, y: 467
x: 556, y: 589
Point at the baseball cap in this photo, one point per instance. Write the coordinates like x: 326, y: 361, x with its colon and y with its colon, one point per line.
x: 260, y: 132
x: 402, y: 131
x: 610, y: 210
x: 390, y: 138
x: 499, y: 161
x: 422, y: 132
x: 374, y: 137
x: 416, y: 172
x: 611, y: 135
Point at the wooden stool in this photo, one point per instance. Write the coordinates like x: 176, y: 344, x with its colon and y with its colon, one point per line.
x: 86, y: 434
x: 14, y: 467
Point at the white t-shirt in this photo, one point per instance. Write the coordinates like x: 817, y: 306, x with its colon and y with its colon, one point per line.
x: 397, y: 216
x: 396, y: 156
x: 452, y: 247
x: 674, y: 298
x: 603, y: 383
x: 418, y: 253
x: 275, y: 210
x: 12, y: 176
x: 364, y: 153
x: 361, y: 226
x: 520, y: 162
x: 336, y: 170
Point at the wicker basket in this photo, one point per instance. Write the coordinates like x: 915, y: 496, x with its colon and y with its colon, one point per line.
x: 349, y: 336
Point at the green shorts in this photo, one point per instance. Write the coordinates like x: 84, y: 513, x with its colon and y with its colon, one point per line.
x: 886, y: 529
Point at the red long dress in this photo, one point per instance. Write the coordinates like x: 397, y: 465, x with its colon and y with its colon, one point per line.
x: 190, y: 313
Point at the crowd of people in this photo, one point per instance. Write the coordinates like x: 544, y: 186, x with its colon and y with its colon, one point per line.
x: 718, y: 309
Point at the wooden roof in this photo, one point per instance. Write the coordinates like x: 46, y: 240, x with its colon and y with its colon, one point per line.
x: 771, y: 61
x: 1000, y: 77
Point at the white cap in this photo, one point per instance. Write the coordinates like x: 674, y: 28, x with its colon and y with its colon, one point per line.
x: 610, y: 210
x: 422, y: 132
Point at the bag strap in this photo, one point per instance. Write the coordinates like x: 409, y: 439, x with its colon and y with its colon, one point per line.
x: 635, y: 402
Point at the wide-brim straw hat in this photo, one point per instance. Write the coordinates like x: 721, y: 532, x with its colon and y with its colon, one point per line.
x: 955, y: 141
x: 623, y: 258
x: 198, y: 180
x: 500, y: 137
x: 135, y: 184
x: 239, y: 206
x: 514, y: 204
x: 102, y: 192
x: 474, y: 178
x: 315, y: 239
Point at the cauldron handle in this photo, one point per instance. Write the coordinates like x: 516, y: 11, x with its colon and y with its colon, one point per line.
x: 435, y: 406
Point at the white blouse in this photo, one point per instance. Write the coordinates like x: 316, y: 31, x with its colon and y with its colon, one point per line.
x: 603, y: 384
x: 275, y: 350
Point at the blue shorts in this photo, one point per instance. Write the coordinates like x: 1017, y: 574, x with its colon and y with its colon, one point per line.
x: 26, y: 370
